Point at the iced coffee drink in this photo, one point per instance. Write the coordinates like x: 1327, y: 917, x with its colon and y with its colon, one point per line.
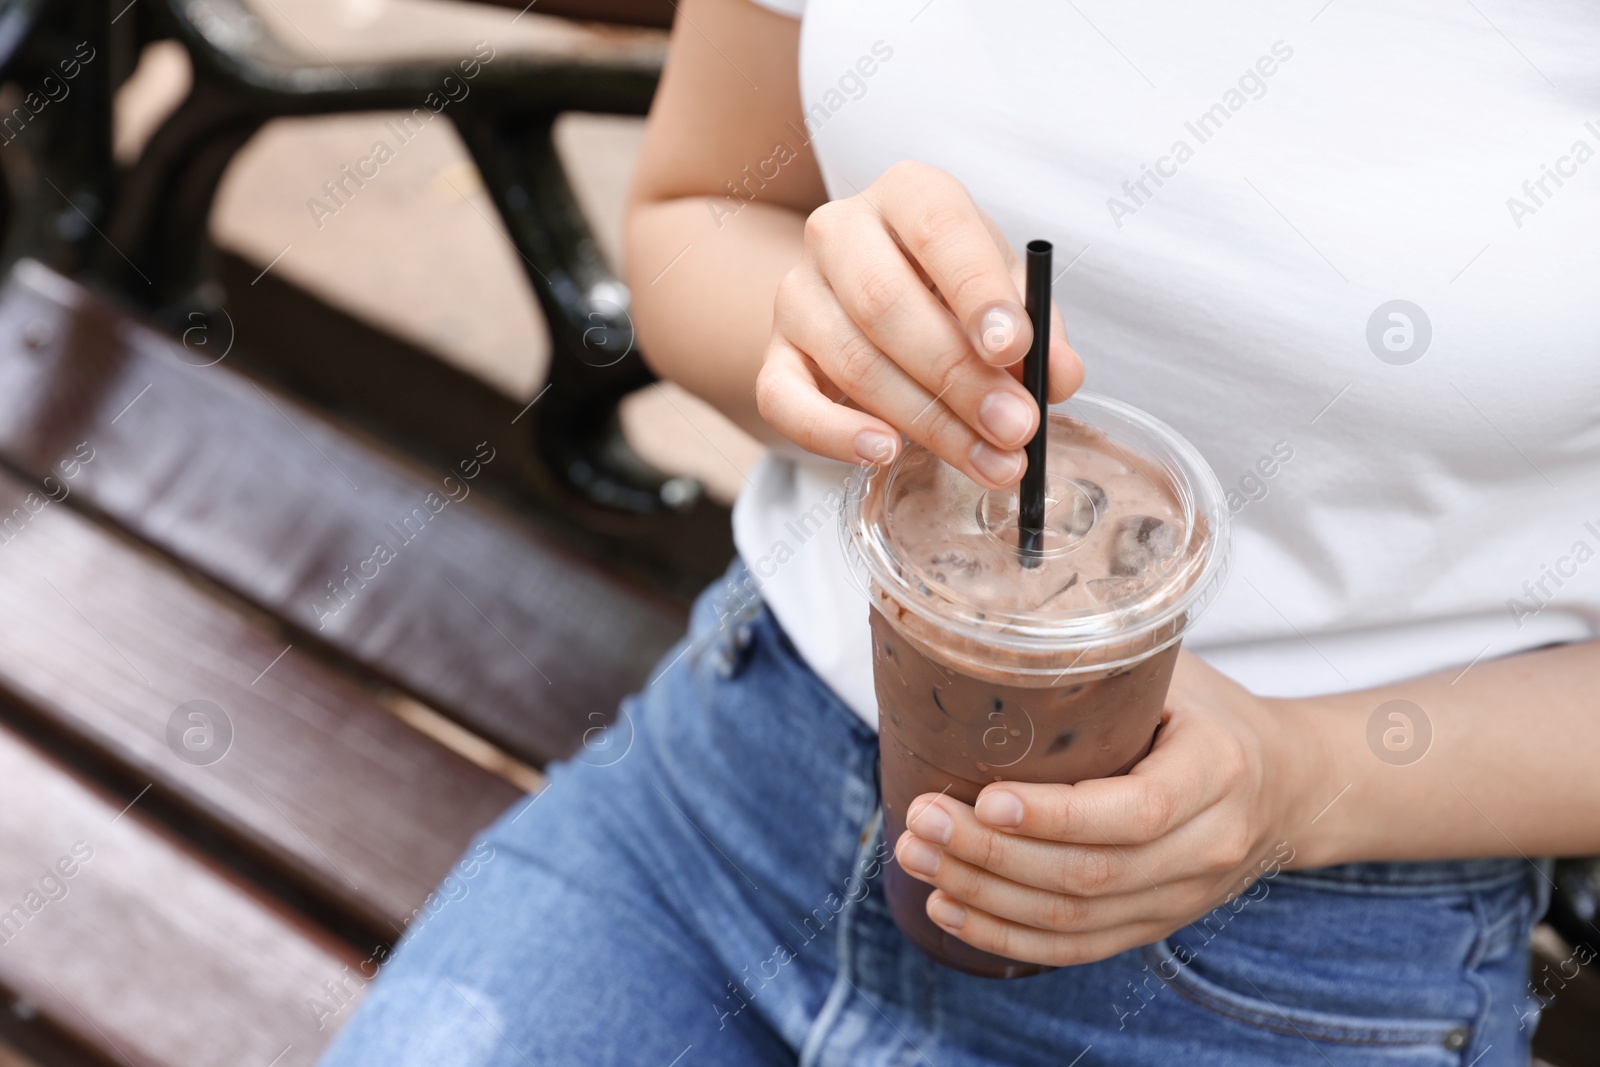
x: 988, y: 670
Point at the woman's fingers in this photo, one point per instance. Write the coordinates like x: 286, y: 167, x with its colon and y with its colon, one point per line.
x: 907, y: 301
x: 1192, y: 766
x: 1043, y: 908
x: 881, y: 294
x: 878, y: 384
x: 1127, y: 810
x: 1019, y: 942
x: 939, y: 225
x: 1203, y: 848
x: 1066, y: 369
x: 790, y: 397
x: 1081, y: 868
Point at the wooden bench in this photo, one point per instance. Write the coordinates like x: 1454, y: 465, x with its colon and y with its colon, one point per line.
x: 267, y: 663
x: 163, y: 531
x: 122, y: 940
x: 163, y: 528
x: 340, y: 542
x: 268, y: 666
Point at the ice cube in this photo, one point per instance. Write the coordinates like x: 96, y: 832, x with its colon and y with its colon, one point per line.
x: 1142, y: 542
x: 1081, y: 508
x: 953, y: 562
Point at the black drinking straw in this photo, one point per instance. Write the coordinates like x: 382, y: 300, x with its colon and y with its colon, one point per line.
x: 1036, y: 379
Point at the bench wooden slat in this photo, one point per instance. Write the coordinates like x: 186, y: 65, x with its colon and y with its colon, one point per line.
x: 423, y: 406
x: 147, y: 953
x: 108, y: 641
x: 472, y: 609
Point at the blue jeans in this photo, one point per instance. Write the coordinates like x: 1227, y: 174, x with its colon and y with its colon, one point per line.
x: 702, y: 887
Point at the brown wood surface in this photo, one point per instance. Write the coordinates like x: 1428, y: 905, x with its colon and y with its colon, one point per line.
x: 479, y: 613
x: 108, y: 641
x: 147, y: 953
x: 425, y: 407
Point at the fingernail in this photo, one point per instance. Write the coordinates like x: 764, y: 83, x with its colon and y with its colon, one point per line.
x: 875, y: 446
x: 946, y: 912
x: 1001, y: 468
x: 917, y: 856
x: 929, y: 822
x: 1007, y: 416
x: 997, y: 328
x: 1000, y: 808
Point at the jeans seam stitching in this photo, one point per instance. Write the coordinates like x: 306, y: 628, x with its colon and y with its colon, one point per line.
x: 1222, y: 1002
x: 839, y: 994
x: 1430, y: 889
x: 1488, y: 932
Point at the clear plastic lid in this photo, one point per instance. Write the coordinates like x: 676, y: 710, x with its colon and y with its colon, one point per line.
x: 1135, y: 546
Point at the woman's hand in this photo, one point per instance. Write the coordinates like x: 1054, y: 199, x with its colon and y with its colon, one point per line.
x: 906, y: 304
x: 1067, y: 874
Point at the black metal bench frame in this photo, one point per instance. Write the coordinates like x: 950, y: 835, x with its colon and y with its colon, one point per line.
x: 142, y: 232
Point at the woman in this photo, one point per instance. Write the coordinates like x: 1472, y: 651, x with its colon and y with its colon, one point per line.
x: 1348, y: 252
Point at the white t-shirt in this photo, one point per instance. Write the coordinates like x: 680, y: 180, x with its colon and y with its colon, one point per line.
x: 1239, y: 193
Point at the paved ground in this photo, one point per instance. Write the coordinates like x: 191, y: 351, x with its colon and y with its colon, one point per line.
x: 419, y: 250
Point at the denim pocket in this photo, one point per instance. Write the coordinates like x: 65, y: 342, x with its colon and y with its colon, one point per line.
x: 1339, y: 966
x: 1243, y: 999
